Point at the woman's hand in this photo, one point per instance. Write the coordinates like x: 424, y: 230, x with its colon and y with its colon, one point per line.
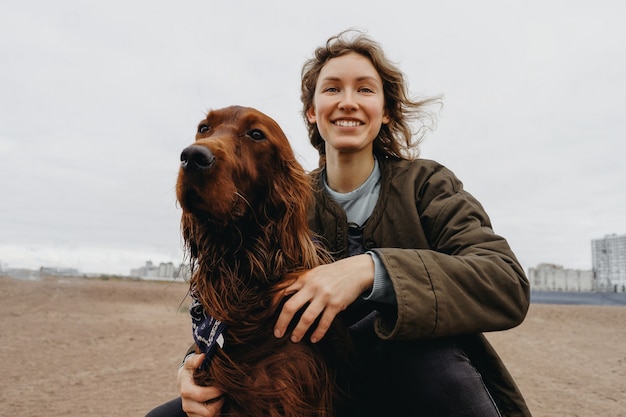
x: 197, y: 401
x: 328, y: 289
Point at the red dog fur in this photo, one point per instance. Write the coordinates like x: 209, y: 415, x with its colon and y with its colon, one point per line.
x: 244, y: 225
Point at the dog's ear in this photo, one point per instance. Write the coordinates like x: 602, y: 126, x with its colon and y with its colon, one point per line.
x: 291, y: 195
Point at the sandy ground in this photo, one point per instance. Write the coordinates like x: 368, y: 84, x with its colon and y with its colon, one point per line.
x: 90, y: 347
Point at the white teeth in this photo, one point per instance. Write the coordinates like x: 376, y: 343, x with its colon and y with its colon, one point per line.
x: 347, y: 123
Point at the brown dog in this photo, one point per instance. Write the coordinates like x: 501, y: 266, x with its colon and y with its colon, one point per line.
x: 244, y: 224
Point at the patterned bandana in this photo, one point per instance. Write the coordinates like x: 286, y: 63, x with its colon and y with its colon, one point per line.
x: 207, y: 332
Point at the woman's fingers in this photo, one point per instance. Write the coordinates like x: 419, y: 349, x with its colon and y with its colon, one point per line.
x: 324, y: 324
x: 208, y: 409
x: 193, y: 362
x: 198, y: 401
x: 311, y: 305
x: 308, y: 318
x: 322, y: 293
x: 288, y: 312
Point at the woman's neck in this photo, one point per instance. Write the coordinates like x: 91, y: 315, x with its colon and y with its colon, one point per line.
x: 346, y: 172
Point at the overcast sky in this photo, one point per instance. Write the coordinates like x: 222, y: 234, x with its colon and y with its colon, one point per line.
x: 97, y: 99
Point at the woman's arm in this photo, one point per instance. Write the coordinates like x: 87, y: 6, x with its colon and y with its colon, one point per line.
x: 467, y: 281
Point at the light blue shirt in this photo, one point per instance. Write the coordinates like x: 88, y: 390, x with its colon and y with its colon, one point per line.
x: 359, y: 205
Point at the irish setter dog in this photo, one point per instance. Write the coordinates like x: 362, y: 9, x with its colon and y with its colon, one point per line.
x: 244, y: 226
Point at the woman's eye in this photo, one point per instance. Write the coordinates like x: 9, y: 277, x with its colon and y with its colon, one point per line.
x: 256, y: 134
x: 203, y: 128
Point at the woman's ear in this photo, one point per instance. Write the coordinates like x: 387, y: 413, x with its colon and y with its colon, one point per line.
x: 385, y: 117
x: 310, y: 115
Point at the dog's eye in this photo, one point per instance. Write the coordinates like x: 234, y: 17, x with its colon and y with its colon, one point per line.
x: 256, y: 134
x: 203, y: 128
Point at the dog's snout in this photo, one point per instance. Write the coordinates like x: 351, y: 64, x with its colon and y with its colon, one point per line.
x: 196, y: 157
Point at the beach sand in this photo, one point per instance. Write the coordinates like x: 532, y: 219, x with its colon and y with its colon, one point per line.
x: 90, y: 347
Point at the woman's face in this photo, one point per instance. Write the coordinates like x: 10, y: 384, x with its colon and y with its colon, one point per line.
x: 349, y: 104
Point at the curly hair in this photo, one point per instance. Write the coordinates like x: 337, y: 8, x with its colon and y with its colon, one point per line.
x: 395, y: 139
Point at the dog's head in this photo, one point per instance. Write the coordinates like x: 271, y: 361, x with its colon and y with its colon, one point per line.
x: 241, y: 164
x: 245, y: 199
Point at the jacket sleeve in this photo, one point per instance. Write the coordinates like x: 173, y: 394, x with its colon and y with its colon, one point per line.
x: 467, y: 281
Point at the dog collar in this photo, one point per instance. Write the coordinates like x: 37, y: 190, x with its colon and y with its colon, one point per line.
x: 207, y: 332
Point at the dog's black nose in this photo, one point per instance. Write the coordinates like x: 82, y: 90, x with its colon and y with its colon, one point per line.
x: 195, y: 158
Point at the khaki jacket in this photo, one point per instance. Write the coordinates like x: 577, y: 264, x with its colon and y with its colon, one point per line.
x: 452, y: 275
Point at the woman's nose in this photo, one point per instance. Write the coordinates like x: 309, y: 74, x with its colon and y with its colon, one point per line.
x: 347, y: 101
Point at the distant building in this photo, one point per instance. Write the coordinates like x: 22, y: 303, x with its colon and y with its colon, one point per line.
x: 21, y: 273
x: 164, y: 271
x: 608, y: 257
x: 551, y: 277
x: 58, y: 272
x: 44, y: 271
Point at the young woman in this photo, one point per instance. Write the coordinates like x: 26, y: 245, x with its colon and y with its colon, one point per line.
x: 420, y: 273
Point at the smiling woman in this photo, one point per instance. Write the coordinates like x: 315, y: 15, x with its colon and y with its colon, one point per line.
x: 348, y: 109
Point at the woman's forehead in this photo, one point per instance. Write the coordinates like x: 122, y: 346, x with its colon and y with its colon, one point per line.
x: 352, y: 65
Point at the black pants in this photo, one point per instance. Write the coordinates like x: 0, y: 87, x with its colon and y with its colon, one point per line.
x: 172, y: 408
x: 433, y: 378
